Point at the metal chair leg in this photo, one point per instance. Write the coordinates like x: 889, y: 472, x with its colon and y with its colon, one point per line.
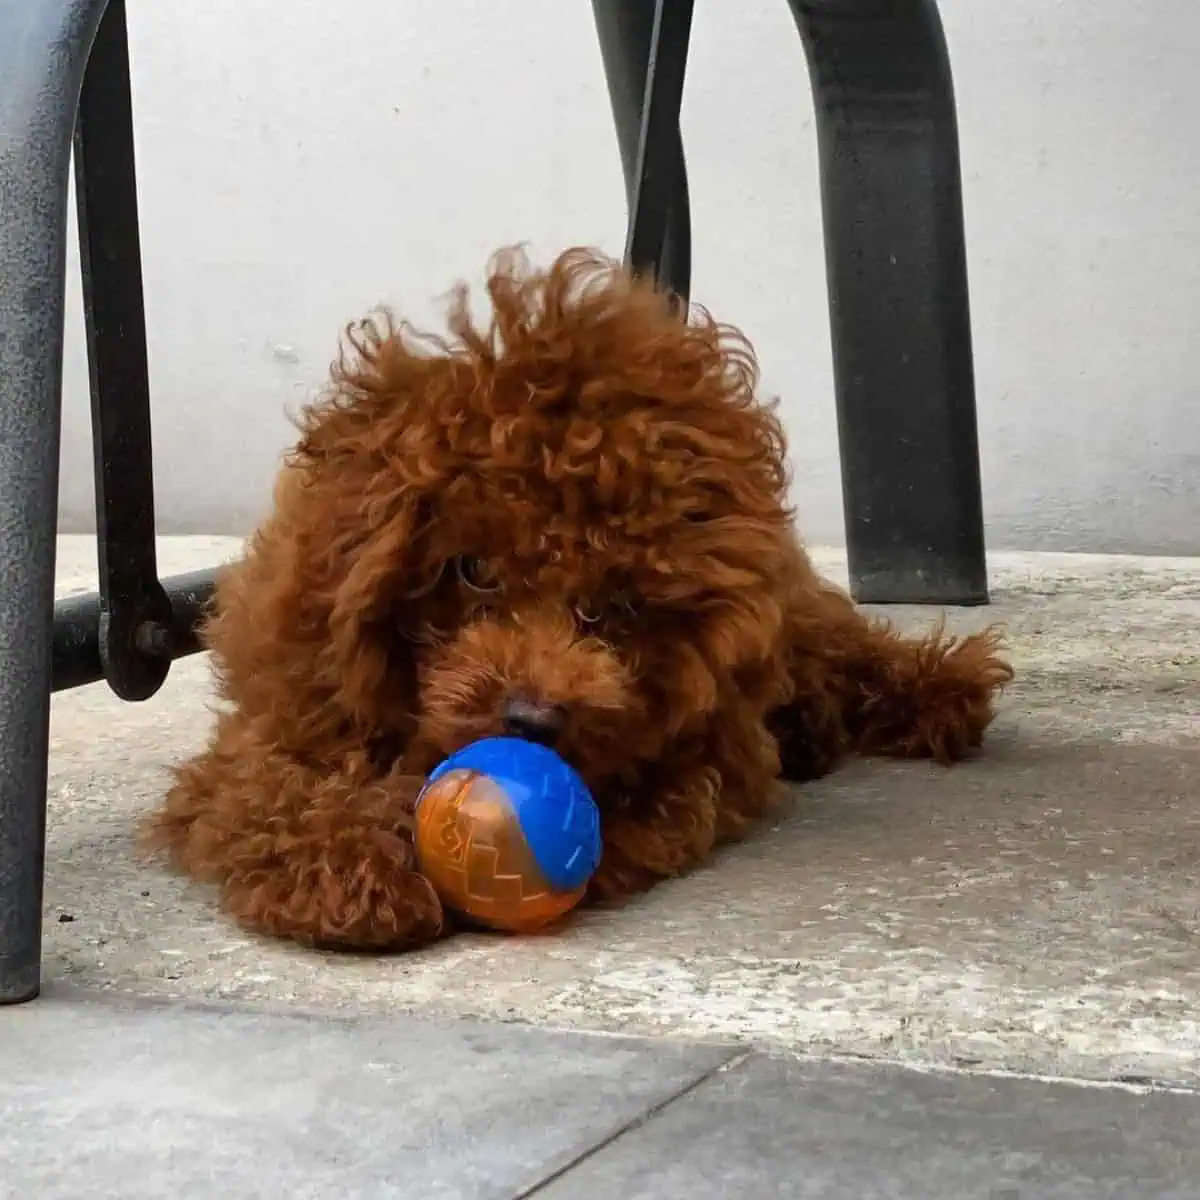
x: 656, y: 186
x: 43, y: 52
x: 897, y: 277
x: 136, y: 618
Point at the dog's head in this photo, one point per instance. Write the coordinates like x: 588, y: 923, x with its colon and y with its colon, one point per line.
x: 569, y: 522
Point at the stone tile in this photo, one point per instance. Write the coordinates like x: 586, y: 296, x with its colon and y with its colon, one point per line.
x: 126, y: 1100
x: 806, y: 1131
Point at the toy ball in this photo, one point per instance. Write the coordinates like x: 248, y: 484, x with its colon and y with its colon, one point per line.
x: 508, y: 834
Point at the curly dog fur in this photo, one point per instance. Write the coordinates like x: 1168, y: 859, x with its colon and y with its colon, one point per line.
x: 578, y: 507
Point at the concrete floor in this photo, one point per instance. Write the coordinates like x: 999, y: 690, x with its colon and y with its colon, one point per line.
x: 1032, y: 911
x: 119, y: 1099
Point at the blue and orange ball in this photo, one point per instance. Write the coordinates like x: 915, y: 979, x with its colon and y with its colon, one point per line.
x: 508, y: 834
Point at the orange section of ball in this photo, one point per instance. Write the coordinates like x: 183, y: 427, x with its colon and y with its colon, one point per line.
x: 470, y: 848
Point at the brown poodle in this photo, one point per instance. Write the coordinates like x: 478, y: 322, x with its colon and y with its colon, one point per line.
x: 572, y: 524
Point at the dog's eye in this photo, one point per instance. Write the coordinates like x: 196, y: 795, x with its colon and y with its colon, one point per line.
x: 620, y: 604
x: 587, y: 616
x: 626, y: 603
x: 477, y: 576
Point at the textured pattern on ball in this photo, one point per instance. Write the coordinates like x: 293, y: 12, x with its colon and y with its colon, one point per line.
x: 471, y: 849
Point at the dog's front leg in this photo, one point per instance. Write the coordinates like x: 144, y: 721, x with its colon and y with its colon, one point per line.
x: 709, y: 793
x: 655, y: 840
x: 321, y: 856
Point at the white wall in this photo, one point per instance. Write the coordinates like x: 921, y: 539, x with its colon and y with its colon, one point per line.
x: 298, y: 166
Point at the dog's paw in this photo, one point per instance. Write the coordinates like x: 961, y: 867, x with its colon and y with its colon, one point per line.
x: 359, y: 891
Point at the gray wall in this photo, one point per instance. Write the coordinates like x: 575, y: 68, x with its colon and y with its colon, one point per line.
x: 300, y: 164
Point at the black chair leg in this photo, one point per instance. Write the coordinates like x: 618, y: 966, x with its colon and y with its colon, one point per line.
x: 135, y: 617
x: 897, y: 277
x: 660, y: 237
x: 43, y: 54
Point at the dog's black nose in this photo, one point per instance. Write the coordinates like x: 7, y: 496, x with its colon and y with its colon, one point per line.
x: 534, y: 721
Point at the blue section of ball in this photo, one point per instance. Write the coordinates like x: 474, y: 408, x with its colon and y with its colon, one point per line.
x: 551, y: 803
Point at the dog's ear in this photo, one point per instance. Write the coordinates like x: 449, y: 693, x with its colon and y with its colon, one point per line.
x: 374, y: 455
x: 336, y: 581
x: 310, y: 625
x: 376, y: 609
